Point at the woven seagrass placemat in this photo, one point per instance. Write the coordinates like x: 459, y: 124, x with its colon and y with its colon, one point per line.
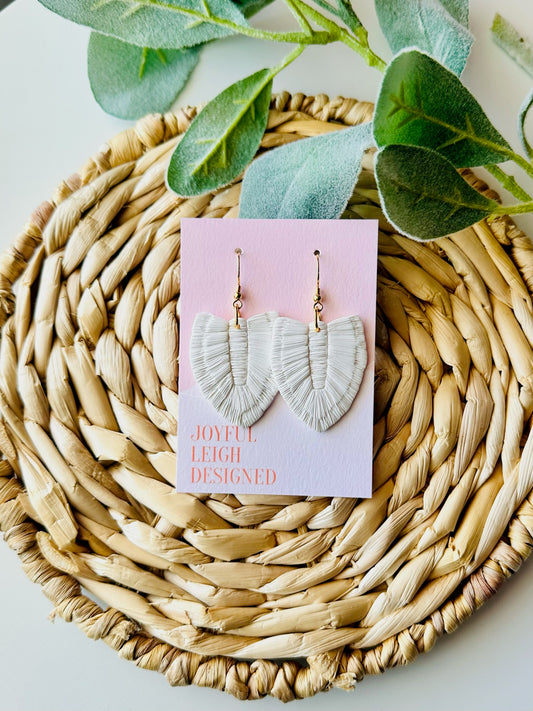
x: 257, y: 595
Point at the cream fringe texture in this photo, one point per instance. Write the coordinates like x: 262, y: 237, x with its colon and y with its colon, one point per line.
x: 318, y: 373
x: 232, y: 365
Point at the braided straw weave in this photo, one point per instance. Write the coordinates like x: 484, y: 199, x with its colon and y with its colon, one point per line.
x: 252, y: 594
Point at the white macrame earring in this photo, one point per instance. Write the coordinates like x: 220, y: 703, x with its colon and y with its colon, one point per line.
x: 231, y: 361
x: 319, y: 366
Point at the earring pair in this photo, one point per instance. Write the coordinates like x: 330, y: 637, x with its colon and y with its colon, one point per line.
x: 241, y: 364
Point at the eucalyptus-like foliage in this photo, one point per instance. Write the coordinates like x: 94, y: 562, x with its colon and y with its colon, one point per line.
x: 130, y: 81
x: 423, y: 103
x: 424, y: 195
x: 427, y: 124
x: 522, y: 116
x: 458, y: 9
x: 143, y: 54
x: 513, y: 43
x: 520, y: 50
x: 297, y: 181
x: 343, y: 9
x: 153, y: 24
x: 428, y: 25
x: 223, y: 138
x: 250, y: 7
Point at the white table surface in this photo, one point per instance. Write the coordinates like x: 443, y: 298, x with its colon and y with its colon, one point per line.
x: 49, y: 125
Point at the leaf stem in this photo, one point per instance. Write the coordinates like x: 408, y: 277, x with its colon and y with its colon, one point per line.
x: 317, y: 37
x: 345, y: 12
x: 287, y: 60
x: 519, y: 209
x: 508, y: 182
x: 299, y: 15
x: 522, y: 163
x: 331, y: 31
x: 320, y: 19
x: 370, y: 57
x: 358, y: 44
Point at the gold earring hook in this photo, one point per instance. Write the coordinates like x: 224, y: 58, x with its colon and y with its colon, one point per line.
x: 317, y: 302
x: 237, y: 296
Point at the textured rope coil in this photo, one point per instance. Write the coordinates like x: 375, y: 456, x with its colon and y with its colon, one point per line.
x: 215, y: 590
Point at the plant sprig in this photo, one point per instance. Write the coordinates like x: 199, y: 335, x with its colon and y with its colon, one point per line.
x: 426, y: 126
x: 224, y: 137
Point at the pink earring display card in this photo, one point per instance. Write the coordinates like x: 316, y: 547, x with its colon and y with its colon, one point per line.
x: 279, y: 454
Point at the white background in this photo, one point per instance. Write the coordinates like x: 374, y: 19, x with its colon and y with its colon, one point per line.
x: 49, y: 125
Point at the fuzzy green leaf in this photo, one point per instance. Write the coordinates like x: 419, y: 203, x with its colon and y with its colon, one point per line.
x: 513, y: 43
x: 348, y: 16
x: 223, y: 138
x: 522, y: 116
x: 251, y: 7
x: 458, y: 9
x: 346, y: 13
x: 424, y: 196
x: 424, y: 104
x: 343, y: 9
x: 312, y: 179
x: 153, y: 25
x: 425, y: 24
x: 129, y: 81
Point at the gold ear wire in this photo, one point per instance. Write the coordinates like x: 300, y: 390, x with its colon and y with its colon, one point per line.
x: 237, y: 296
x: 317, y: 302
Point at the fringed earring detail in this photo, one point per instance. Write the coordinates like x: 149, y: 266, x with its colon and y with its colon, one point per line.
x: 231, y: 360
x: 318, y: 367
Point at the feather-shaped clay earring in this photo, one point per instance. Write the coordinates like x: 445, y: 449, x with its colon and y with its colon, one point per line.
x: 319, y: 366
x: 231, y: 361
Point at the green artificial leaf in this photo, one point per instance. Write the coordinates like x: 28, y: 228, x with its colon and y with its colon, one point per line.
x: 129, y: 81
x: 427, y: 25
x: 153, y: 24
x: 251, y: 7
x: 458, y: 9
x: 424, y: 104
x: 513, y: 43
x: 522, y: 116
x: 313, y: 178
x: 343, y: 9
x: 424, y: 196
x: 223, y: 138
